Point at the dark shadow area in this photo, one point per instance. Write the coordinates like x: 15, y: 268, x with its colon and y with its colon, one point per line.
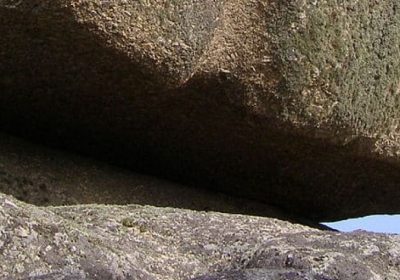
x: 48, y: 177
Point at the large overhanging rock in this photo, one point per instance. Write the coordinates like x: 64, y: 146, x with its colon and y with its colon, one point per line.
x: 135, y: 242
x: 295, y: 103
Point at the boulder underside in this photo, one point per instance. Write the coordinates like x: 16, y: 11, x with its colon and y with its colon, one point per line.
x: 292, y: 103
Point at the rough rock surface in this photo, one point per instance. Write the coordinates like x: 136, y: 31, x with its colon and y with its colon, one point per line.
x: 136, y: 242
x: 295, y: 103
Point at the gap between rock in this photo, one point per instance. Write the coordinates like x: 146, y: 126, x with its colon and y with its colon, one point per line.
x: 48, y: 177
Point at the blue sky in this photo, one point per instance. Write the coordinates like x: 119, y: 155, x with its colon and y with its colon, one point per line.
x: 376, y: 223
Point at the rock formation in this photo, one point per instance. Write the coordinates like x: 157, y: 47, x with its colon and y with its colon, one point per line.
x: 283, y: 109
x: 136, y: 242
x: 293, y: 103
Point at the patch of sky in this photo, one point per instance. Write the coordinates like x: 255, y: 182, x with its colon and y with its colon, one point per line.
x: 375, y: 223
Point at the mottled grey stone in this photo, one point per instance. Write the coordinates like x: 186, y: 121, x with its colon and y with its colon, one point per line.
x: 144, y: 242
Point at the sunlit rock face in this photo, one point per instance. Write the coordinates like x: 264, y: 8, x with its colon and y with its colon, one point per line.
x: 136, y: 242
x: 292, y: 103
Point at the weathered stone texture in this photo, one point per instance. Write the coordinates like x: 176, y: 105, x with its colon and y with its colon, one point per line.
x: 135, y: 242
